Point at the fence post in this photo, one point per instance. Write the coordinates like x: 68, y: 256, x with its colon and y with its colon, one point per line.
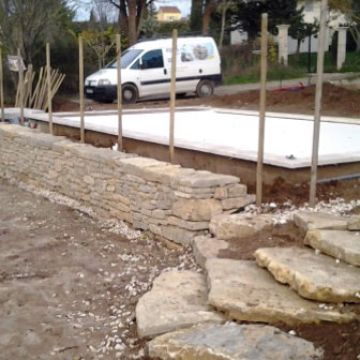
x: 21, y: 87
x: 318, y: 99
x: 172, y: 95
x: 264, y: 51
x: 119, y: 92
x: 49, y: 93
x: 2, y: 86
x: 81, y: 89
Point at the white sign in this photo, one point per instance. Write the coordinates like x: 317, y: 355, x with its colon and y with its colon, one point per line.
x: 14, y: 62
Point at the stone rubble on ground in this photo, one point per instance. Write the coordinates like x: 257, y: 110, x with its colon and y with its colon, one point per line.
x: 342, y: 245
x: 177, y: 300
x: 316, y: 277
x: 232, y: 341
x: 245, y: 292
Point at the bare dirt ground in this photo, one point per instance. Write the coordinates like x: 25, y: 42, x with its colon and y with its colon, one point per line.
x: 337, y: 101
x: 68, y: 285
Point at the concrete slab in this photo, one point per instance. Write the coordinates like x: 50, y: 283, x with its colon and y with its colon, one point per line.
x: 232, y: 342
x: 231, y: 133
x: 313, y: 276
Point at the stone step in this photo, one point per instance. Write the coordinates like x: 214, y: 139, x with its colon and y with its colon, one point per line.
x: 245, y: 292
x: 309, y: 220
x: 238, y: 226
x: 177, y: 299
x: 312, y: 275
x: 205, y: 247
x: 232, y: 342
x: 343, y: 245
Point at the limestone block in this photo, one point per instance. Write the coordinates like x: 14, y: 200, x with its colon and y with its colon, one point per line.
x: 181, y: 236
x: 343, y: 245
x: 237, y: 202
x: 205, y: 247
x: 190, y: 225
x: 205, y: 179
x: 354, y: 223
x: 239, y: 225
x: 196, y: 209
x: 176, y: 300
x: 232, y: 341
x: 246, y: 292
x: 235, y: 190
x: 308, y: 220
x: 313, y: 276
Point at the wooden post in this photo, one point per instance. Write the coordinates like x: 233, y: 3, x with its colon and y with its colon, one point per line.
x: 81, y: 89
x: 21, y: 87
x: 2, y: 87
x: 264, y: 51
x: 49, y: 93
x: 119, y: 92
x: 172, y: 95
x: 318, y: 99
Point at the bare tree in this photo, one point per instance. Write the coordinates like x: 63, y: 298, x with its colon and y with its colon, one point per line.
x: 130, y: 15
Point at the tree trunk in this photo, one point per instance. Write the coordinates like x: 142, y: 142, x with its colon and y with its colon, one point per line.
x: 223, y: 19
x: 123, y: 19
x: 132, y: 33
x: 140, y: 16
x: 208, y: 10
x: 195, y: 16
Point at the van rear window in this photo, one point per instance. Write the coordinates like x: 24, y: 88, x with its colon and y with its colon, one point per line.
x: 127, y: 58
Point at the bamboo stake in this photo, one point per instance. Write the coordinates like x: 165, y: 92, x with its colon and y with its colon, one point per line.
x: 264, y: 50
x: 21, y: 85
x: 318, y: 99
x: 81, y: 89
x: 36, y: 91
x: 49, y: 96
x: 172, y: 95
x: 2, y: 87
x: 119, y: 93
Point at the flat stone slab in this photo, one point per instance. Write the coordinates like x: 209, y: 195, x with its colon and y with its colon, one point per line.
x: 205, y: 248
x: 232, y: 342
x: 313, y: 276
x: 245, y: 292
x: 178, y: 299
x: 239, y: 226
x: 308, y: 220
x: 343, y: 245
x: 354, y: 223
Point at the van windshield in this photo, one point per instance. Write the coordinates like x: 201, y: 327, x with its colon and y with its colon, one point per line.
x: 127, y: 58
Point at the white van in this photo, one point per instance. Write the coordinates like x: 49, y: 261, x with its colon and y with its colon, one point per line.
x: 146, y: 70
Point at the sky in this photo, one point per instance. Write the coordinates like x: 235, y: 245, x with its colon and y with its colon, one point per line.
x: 83, y: 7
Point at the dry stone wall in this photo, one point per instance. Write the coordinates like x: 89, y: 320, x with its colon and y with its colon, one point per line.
x: 172, y: 202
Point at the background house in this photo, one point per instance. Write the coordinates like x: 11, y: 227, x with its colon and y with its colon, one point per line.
x: 168, y: 14
x: 311, y: 14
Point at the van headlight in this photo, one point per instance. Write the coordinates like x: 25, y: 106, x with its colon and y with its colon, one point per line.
x: 103, y: 82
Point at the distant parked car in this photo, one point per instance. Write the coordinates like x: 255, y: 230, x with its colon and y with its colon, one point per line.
x: 146, y: 70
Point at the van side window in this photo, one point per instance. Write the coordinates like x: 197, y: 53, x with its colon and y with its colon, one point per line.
x: 136, y: 65
x: 153, y: 59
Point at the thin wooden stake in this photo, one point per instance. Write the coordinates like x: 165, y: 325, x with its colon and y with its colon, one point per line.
x: 172, y: 95
x: 81, y: 89
x: 49, y: 94
x: 2, y: 87
x: 21, y: 86
x: 318, y: 99
x: 119, y: 92
x: 264, y: 51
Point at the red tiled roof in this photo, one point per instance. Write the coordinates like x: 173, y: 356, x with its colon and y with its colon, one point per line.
x: 169, y: 9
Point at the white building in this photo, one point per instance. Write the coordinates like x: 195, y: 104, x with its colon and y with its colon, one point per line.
x: 311, y: 14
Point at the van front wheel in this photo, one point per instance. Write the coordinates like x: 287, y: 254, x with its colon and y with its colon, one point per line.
x: 129, y: 94
x: 205, y: 88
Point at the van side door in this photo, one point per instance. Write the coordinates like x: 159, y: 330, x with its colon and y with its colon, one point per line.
x: 154, y: 78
